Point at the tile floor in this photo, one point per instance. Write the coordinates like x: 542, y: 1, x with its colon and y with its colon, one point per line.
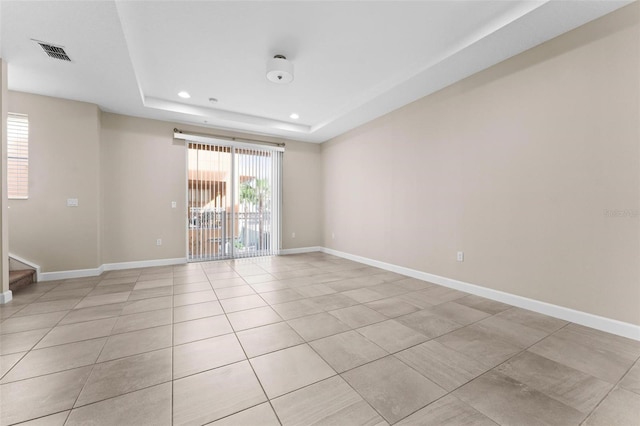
x: 299, y: 340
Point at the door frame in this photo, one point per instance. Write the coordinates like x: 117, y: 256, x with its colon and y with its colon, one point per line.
x: 232, y: 145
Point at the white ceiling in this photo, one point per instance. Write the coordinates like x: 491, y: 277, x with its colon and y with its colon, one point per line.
x: 353, y: 60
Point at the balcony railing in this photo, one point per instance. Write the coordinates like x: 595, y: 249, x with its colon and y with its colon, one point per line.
x: 211, y: 236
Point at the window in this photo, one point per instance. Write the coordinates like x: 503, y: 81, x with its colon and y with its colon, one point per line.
x: 18, y: 156
x: 234, y: 194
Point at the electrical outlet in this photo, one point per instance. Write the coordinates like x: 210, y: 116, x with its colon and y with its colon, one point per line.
x: 293, y: 235
x: 460, y: 256
x: 72, y: 202
x: 159, y: 242
x: 174, y: 204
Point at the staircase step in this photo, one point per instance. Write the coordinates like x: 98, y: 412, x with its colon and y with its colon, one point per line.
x: 21, y: 278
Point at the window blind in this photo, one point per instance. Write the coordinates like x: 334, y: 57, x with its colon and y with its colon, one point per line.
x: 234, y: 200
x: 18, y: 156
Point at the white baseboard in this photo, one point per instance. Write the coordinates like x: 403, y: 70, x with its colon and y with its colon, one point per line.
x: 144, y: 264
x: 6, y: 297
x: 74, y: 273
x: 608, y: 325
x: 300, y: 250
x: 579, y: 317
x: 81, y: 273
x: 28, y: 263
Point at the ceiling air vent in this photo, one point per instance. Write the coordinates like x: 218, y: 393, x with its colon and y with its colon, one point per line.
x: 53, y: 51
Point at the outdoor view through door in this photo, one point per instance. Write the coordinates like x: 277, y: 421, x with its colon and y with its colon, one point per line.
x: 233, y: 201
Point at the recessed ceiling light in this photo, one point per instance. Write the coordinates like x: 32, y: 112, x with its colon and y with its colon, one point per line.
x: 294, y: 116
x: 184, y: 95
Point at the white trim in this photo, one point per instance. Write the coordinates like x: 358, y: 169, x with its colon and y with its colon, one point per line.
x: 6, y: 297
x: 74, y: 273
x: 28, y: 263
x: 300, y: 250
x: 187, y: 222
x: 608, y: 325
x: 144, y: 264
x: 81, y: 273
x: 226, y: 142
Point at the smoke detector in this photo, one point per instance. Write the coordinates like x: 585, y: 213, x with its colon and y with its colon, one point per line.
x: 280, y: 70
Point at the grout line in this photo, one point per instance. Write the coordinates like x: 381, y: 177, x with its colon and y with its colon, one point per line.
x: 14, y: 365
x: 41, y: 417
x: 615, y: 386
x: 463, y: 384
x: 173, y: 342
x: 252, y: 263
x: 117, y: 396
x: 251, y: 366
x: 57, y: 371
x: 36, y: 344
x: 345, y: 380
x: 92, y: 368
x: 93, y: 365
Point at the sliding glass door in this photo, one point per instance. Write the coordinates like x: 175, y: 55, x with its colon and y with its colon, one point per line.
x: 234, y: 194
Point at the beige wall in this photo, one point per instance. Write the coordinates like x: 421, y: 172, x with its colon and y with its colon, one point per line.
x: 4, y: 214
x: 125, y: 171
x: 301, y: 180
x: 143, y: 170
x: 515, y: 166
x: 302, y: 197
x: 63, y: 163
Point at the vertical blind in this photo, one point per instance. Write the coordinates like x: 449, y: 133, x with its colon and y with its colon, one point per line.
x: 209, y: 201
x: 234, y: 199
x: 17, y: 156
x: 258, y: 173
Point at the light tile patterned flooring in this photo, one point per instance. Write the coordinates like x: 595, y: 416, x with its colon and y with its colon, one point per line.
x: 299, y: 339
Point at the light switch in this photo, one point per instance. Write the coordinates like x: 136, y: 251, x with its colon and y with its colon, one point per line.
x: 174, y: 204
x: 72, y: 202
